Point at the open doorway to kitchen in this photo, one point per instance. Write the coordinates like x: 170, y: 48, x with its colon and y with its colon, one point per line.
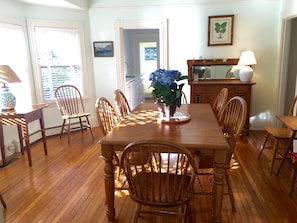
x: 141, y: 57
x: 156, y: 28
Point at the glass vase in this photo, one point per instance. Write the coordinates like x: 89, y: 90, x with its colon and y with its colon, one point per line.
x: 166, y: 111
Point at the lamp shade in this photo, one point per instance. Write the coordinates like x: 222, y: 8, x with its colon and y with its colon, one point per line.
x: 7, y: 99
x: 7, y: 75
x: 247, y: 58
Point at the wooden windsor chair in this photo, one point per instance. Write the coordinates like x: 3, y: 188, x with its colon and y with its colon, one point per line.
x: 232, y: 119
x: 160, y: 175
x: 71, y: 106
x: 121, y: 103
x: 220, y: 101
x: 108, y: 119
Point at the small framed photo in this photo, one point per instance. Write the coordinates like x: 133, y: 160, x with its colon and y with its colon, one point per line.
x: 103, y: 49
x: 150, y: 53
x: 220, y: 30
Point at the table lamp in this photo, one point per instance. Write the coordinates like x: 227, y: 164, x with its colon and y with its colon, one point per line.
x: 247, y: 58
x: 7, y: 99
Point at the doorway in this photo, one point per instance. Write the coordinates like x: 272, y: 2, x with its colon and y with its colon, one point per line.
x: 141, y: 55
x: 123, y: 67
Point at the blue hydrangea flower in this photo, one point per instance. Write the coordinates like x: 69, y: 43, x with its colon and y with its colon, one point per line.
x: 166, y: 90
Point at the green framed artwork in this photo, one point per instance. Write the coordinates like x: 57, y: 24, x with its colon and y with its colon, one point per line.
x: 220, y: 30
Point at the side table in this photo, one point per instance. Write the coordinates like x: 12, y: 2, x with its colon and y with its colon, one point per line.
x: 21, y: 117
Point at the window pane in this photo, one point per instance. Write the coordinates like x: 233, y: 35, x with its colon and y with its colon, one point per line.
x: 14, y: 53
x: 59, y: 59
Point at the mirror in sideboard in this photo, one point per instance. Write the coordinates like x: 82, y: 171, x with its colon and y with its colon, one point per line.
x: 212, y: 69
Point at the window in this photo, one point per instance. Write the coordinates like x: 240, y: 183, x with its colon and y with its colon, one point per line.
x: 59, y: 54
x: 14, y: 53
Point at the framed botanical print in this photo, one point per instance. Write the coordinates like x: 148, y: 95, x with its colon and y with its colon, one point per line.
x: 220, y: 30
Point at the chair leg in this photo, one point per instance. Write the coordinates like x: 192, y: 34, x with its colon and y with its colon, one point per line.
x: 275, y: 148
x: 294, y: 180
x: 81, y: 126
x: 137, y: 213
x: 187, y: 215
x: 199, y: 184
x: 263, y: 145
x: 2, y: 201
x: 181, y: 212
x: 89, y: 125
x: 68, y: 130
x: 63, y: 126
x: 230, y: 191
x: 285, y: 157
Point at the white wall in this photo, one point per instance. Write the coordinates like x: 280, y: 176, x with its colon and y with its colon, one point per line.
x: 52, y: 117
x: 256, y: 28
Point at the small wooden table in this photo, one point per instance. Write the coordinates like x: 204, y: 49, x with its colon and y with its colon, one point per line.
x: 201, y: 133
x: 21, y: 116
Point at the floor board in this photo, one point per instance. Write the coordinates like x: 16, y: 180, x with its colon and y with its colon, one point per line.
x: 67, y: 186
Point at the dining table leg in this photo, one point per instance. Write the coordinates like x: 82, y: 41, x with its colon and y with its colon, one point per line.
x: 107, y: 153
x: 218, y: 184
x: 27, y: 141
x: 2, y: 146
x: 42, y: 129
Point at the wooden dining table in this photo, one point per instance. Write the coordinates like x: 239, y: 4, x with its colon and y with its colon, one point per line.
x: 200, y: 132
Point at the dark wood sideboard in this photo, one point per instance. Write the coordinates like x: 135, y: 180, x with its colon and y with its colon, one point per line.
x: 205, y: 91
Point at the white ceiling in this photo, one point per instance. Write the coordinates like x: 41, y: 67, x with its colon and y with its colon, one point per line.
x: 78, y: 4
x: 85, y: 4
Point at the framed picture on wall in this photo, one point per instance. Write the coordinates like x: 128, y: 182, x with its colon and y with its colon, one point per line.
x: 103, y: 49
x: 220, y: 30
x: 150, y: 53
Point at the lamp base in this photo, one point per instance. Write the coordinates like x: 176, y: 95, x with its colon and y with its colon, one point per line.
x: 7, y: 99
x: 246, y: 74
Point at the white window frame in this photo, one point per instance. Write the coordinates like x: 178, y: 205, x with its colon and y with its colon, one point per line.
x: 31, y: 24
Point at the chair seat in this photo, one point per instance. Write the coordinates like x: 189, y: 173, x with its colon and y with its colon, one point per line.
x: 76, y: 115
x: 279, y: 133
x: 281, y: 139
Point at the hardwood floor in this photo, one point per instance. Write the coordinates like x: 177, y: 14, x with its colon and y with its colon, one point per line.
x: 67, y: 186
